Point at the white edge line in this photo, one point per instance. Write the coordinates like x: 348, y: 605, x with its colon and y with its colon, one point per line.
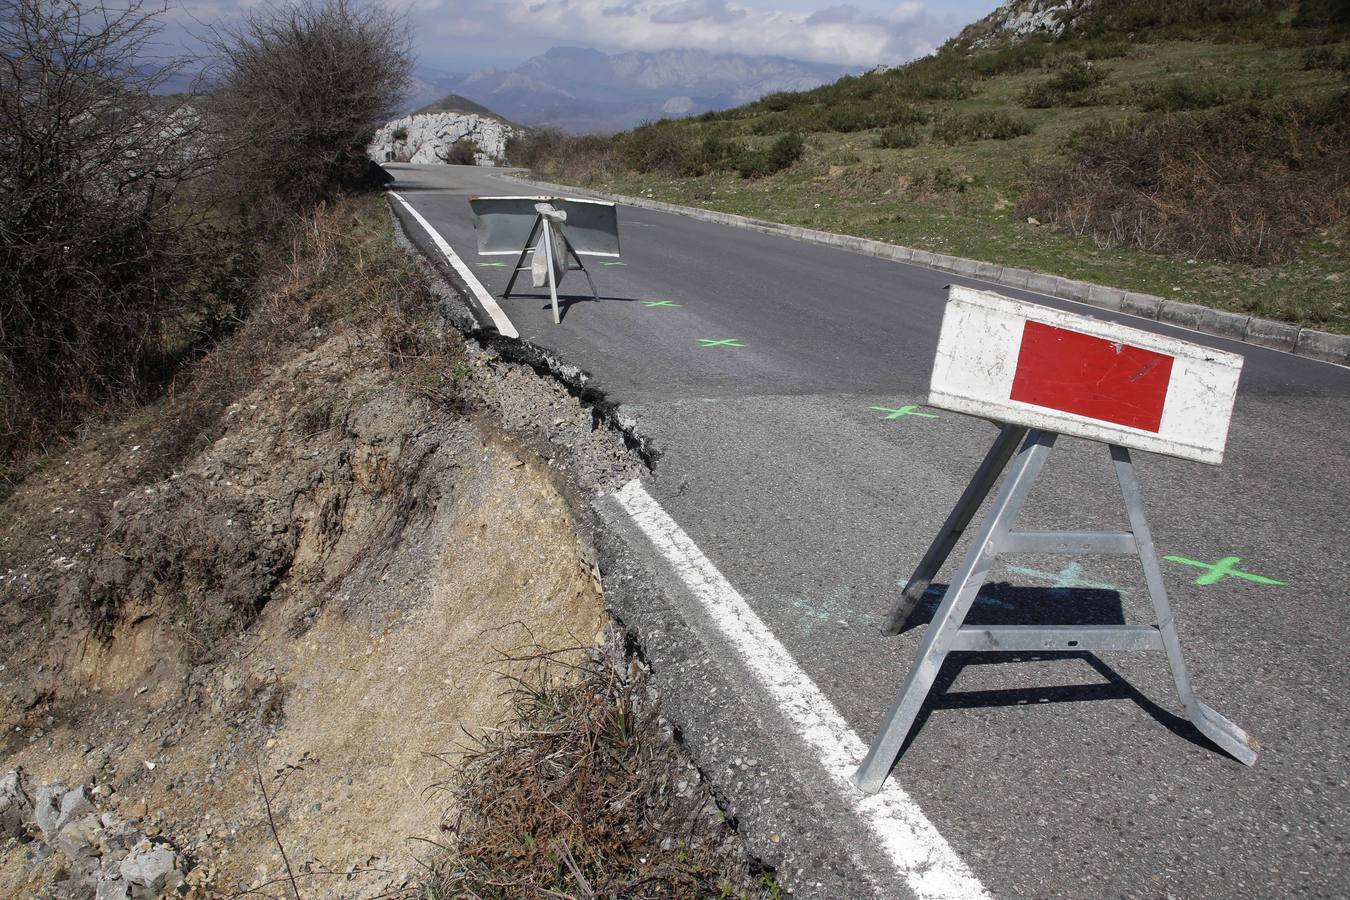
x: 921, y: 855
x: 487, y: 301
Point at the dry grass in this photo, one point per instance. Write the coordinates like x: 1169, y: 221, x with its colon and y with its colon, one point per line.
x: 336, y: 263
x: 586, y: 794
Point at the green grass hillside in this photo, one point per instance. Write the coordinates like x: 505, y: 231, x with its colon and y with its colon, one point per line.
x: 1200, y: 151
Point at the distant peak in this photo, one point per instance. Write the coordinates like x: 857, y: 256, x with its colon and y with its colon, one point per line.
x: 574, y: 53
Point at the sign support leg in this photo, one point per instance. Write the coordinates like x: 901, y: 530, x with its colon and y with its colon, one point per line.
x: 995, y: 461
x: 956, y: 603
x: 520, y: 261
x: 948, y: 632
x: 1224, y: 733
x: 580, y: 266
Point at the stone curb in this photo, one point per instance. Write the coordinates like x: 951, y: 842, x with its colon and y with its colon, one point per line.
x: 1321, y: 345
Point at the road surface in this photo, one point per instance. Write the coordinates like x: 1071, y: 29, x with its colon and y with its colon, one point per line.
x: 768, y: 374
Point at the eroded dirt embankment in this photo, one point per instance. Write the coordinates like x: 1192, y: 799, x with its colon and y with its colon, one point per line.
x: 326, y: 588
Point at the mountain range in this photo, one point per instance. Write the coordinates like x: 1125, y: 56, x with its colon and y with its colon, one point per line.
x: 582, y: 90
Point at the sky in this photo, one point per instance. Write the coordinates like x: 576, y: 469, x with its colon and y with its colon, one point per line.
x: 467, y: 35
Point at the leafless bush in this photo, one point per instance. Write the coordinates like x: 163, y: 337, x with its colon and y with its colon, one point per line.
x: 304, y: 87
x: 98, y: 261
x: 1242, y: 184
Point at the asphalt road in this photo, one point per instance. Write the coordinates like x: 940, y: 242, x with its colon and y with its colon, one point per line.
x: 1051, y: 774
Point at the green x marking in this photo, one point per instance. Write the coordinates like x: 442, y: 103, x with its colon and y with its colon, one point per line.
x: 728, y: 342
x: 650, y: 304
x: 492, y: 265
x: 1220, y: 570
x: 613, y: 264
x: 902, y: 411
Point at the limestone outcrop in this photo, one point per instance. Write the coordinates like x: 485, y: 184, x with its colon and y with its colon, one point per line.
x: 433, y: 138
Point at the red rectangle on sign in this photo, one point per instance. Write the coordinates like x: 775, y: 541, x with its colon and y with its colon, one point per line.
x: 1091, y: 376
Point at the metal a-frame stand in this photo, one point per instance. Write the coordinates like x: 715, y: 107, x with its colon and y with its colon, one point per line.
x: 948, y: 633
x: 571, y: 260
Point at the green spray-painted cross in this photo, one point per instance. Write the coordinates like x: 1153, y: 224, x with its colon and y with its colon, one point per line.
x: 654, y: 303
x: 492, y: 265
x: 726, y: 342
x: 902, y: 411
x: 1220, y: 570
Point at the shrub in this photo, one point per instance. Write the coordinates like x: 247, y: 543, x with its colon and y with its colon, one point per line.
x: 1326, y: 58
x: 1238, y: 184
x: 400, y: 133
x: 106, y: 273
x: 905, y: 114
x: 853, y: 117
x: 462, y: 152
x: 774, y: 123
x: 1074, y: 84
x: 1107, y: 48
x: 985, y: 126
x: 780, y: 101
x: 1174, y: 18
x: 942, y: 180
x: 1321, y: 13
x: 662, y: 147
x: 305, y: 86
x: 931, y: 78
x: 1028, y: 53
x: 548, y: 151
x: 1183, y: 93
x: 719, y: 154
x: 780, y: 154
x: 898, y: 137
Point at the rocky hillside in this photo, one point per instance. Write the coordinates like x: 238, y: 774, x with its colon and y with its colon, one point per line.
x: 1022, y: 18
x: 443, y: 137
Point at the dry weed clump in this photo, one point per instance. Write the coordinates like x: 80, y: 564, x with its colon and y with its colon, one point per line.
x: 1242, y: 183
x: 586, y: 794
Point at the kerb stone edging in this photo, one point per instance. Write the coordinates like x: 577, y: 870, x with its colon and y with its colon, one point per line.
x: 1322, y: 345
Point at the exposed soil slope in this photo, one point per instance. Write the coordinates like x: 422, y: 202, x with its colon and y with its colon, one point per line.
x: 327, y: 590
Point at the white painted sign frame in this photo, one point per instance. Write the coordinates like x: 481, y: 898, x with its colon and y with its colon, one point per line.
x: 977, y: 356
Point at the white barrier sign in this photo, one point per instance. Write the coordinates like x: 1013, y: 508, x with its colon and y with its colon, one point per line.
x: 1031, y: 365
x: 503, y: 224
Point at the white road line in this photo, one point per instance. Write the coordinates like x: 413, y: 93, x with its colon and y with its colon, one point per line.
x: 921, y: 855
x: 499, y: 318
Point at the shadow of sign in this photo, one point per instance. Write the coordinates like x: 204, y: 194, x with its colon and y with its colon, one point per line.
x: 1001, y: 603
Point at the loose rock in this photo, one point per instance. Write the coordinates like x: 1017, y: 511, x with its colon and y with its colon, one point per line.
x: 16, y: 804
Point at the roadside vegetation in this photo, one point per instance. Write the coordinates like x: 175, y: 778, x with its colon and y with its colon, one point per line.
x: 1195, y: 150
x: 132, y: 224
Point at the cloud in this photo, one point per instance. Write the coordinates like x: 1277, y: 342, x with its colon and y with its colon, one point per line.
x: 841, y: 33
x: 858, y: 33
x: 697, y: 11
x: 832, y: 15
